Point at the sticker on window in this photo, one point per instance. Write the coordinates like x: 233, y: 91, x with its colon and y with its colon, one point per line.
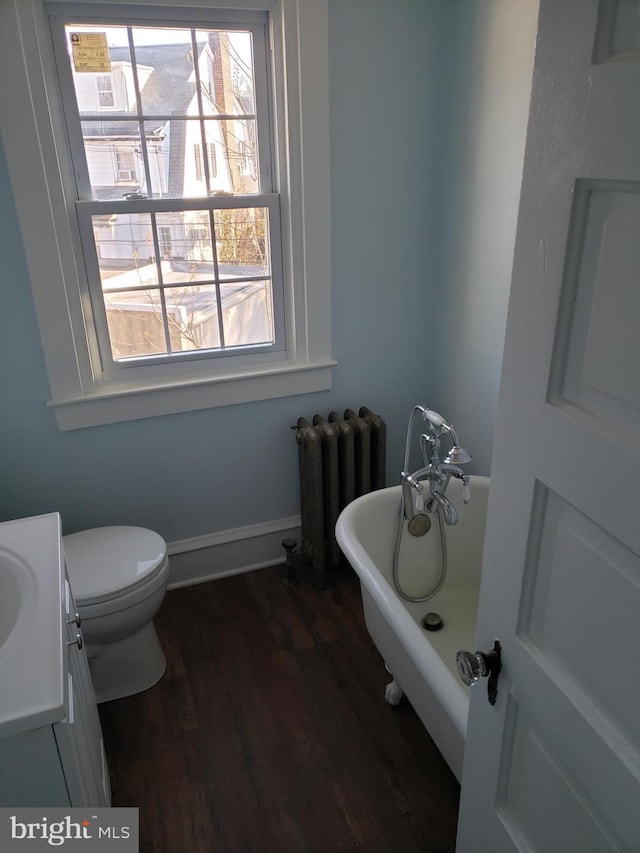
x: 90, y: 52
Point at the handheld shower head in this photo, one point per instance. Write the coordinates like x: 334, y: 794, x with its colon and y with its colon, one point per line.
x: 435, y: 419
x: 457, y: 455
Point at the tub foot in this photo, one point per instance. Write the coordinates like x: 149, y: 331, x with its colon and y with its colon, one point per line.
x: 393, y: 692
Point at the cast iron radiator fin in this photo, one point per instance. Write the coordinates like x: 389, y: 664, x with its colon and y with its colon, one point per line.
x: 339, y: 459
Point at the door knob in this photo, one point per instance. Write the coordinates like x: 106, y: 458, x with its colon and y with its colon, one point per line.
x: 475, y: 665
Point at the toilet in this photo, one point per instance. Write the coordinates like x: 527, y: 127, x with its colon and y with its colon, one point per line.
x: 118, y: 578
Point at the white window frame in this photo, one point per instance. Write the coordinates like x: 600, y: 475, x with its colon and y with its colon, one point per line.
x: 118, y: 153
x: 212, y: 161
x: 109, y: 91
x: 39, y: 165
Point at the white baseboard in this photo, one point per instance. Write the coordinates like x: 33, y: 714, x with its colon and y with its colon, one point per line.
x: 230, y: 552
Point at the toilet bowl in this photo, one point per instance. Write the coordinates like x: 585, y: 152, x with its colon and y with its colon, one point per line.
x: 118, y: 578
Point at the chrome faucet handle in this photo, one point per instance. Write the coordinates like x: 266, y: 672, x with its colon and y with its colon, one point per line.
x: 418, y: 476
x: 458, y: 473
x: 413, y: 481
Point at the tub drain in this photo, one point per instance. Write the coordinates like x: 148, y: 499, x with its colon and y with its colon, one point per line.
x: 432, y: 622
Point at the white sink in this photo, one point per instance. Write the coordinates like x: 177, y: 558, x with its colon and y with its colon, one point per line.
x: 31, y: 623
x: 17, y: 588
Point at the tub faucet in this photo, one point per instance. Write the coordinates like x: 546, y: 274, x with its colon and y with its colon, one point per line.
x: 436, y: 472
x: 438, y: 478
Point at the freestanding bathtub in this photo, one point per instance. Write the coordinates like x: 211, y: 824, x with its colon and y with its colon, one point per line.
x: 423, y: 663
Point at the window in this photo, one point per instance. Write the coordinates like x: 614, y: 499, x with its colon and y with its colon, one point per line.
x: 164, y: 238
x: 211, y: 157
x: 125, y: 164
x: 105, y: 91
x: 162, y: 282
x: 141, y: 269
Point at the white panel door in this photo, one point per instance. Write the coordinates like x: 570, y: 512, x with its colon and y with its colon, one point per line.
x: 554, y: 766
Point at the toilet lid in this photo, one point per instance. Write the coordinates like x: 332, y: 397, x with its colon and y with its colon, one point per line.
x: 105, y: 562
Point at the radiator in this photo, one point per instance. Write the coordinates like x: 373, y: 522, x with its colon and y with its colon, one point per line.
x: 339, y: 459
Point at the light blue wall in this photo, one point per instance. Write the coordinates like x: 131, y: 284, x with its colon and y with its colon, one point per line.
x: 494, y: 42
x: 202, y: 472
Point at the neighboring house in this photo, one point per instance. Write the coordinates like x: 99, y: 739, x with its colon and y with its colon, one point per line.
x: 186, y: 158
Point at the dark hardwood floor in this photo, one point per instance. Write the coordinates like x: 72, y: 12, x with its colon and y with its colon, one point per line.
x: 269, y: 731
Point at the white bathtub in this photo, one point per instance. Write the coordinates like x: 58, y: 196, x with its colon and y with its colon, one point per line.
x: 422, y: 662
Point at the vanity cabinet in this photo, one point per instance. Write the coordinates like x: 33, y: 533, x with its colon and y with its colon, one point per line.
x: 51, y: 746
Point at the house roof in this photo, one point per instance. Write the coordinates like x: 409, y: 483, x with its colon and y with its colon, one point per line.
x: 169, y: 89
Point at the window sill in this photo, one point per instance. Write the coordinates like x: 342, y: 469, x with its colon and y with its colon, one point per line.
x: 115, y: 404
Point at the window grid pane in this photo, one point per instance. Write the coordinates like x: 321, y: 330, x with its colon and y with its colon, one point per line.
x: 167, y: 91
x: 204, y: 283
